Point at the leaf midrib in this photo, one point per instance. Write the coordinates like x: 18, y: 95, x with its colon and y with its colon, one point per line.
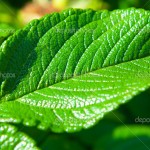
x: 75, y: 77
x: 89, y: 44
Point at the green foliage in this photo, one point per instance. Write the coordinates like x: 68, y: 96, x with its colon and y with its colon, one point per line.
x: 67, y: 70
x: 5, y: 32
x: 70, y: 68
x: 12, y: 139
x: 125, y: 137
x: 8, y: 15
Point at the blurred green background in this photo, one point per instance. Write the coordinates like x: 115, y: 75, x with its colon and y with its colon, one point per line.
x: 18, y: 12
x: 128, y: 127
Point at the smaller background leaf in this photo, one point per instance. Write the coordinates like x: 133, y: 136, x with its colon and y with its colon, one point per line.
x: 5, y: 31
x: 125, y: 137
x: 12, y: 139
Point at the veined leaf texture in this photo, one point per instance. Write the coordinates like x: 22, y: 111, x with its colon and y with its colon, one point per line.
x: 68, y: 69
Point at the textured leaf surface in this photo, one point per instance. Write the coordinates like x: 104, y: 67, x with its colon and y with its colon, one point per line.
x: 68, y: 69
x: 12, y: 139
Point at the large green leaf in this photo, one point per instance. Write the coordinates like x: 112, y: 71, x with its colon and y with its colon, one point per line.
x: 12, y: 139
x: 68, y: 69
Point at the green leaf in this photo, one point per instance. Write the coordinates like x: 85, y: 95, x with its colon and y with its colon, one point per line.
x: 5, y: 32
x: 126, y: 137
x: 12, y: 139
x: 68, y: 69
